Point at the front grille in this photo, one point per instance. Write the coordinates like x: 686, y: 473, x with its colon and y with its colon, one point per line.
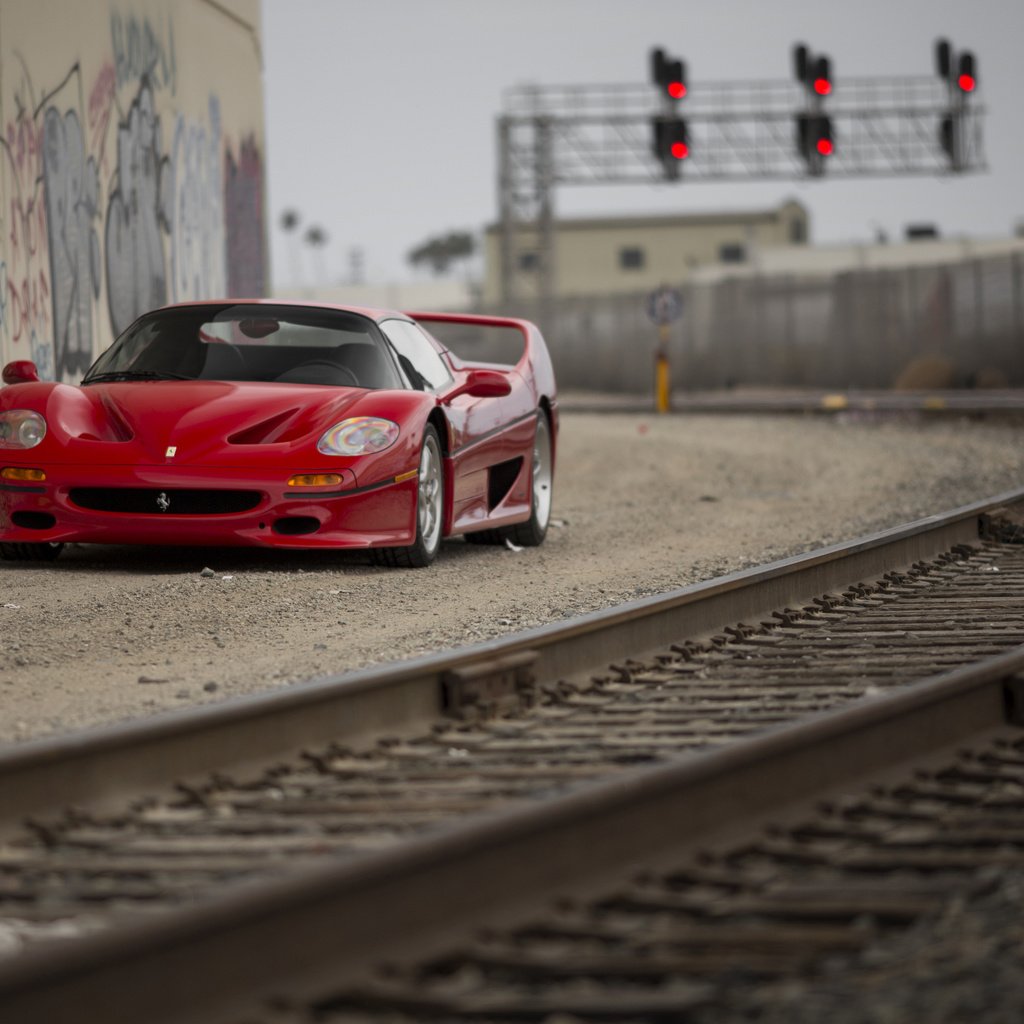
x: 170, y: 501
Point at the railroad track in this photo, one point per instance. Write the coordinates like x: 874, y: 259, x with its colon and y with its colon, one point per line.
x: 222, y: 854
x: 751, y: 928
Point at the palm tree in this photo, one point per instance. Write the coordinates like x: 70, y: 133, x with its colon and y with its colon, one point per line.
x: 441, y: 252
x: 289, y: 223
x: 316, y: 239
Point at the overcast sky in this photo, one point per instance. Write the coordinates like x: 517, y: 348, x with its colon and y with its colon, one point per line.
x: 380, y: 114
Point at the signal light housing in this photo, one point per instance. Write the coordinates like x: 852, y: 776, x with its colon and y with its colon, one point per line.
x: 815, y: 140
x: 960, y: 73
x: 947, y: 136
x: 959, y: 70
x: 822, y: 77
x: 967, y: 78
x: 670, y: 143
x: 813, y: 71
x: 668, y: 74
x: 671, y: 138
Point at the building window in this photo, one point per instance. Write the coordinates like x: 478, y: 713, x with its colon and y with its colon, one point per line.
x: 632, y: 258
x: 798, y: 231
x: 732, y: 252
x: 529, y: 262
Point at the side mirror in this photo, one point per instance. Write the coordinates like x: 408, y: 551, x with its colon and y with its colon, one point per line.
x: 482, y: 384
x: 21, y: 371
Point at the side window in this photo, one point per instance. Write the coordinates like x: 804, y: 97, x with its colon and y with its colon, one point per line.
x: 425, y: 369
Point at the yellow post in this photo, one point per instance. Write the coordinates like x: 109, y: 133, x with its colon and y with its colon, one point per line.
x: 662, y: 381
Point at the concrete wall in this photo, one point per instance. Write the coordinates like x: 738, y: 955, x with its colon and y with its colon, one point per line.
x: 131, y: 167
x: 957, y: 324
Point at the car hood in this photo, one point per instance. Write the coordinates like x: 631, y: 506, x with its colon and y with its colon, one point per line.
x: 200, y: 422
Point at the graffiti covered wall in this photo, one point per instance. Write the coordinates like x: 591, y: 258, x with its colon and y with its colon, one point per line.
x: 131, y: 167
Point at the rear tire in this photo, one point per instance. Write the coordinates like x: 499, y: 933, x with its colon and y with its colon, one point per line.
x: 429, y: 511
x: 531, y: 533
x: 30, y: 552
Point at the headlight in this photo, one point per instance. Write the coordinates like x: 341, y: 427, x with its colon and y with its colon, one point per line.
x: 21, y: 428
x: 361, y: 435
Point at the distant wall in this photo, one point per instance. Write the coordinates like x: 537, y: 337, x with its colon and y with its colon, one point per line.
x: 948, y: 325
x: 131, y: 167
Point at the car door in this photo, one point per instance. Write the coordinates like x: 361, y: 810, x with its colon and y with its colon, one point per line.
x: 481, y: 439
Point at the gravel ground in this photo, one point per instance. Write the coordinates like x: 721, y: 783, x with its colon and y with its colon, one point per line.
x: 643, y: 504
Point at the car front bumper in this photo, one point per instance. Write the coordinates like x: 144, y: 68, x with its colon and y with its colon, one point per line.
x: 210, y: 506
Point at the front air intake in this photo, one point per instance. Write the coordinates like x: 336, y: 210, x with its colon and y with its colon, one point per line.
x: 33, y: 520
x: 296, y: 526
x: 172, y: 501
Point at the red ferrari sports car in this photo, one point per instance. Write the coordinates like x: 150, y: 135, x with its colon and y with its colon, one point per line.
x: 282, y: 424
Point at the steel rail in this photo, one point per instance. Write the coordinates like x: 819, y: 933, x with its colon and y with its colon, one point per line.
x: 323, y: 927
x: 110, y: 764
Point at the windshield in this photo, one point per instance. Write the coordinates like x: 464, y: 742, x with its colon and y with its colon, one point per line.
x: 287, y: 344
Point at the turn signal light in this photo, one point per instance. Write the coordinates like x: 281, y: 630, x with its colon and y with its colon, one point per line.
x: 36, y: 476
x: 315, y: 480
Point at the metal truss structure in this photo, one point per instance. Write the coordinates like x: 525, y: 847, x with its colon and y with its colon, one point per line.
x: 602, y: 135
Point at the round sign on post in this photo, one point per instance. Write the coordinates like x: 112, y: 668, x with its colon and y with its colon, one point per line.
x: 664, y: 305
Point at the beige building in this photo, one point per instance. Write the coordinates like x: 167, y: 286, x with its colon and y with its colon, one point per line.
x: 131, y: 167
x: 609, y: 255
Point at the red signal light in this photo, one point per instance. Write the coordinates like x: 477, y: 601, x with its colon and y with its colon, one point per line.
x: 680, y: 150
x: 676, y: 90
x: 966, y: 83
x: 825, y: 147
x: 822, y: 86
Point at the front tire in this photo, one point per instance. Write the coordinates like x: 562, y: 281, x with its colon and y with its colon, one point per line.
x: 429, y: 511
x: 30, y: 552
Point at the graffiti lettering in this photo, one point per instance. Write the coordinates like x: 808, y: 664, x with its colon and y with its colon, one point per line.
x: 140, y: 53
x: 114, y: 197
x: 28, y: 301
x: 197, y: 232
x: 243, y: 218
x: 72, y: 204
x: 28, y: 225
x: 42, y: 356
x: 26, y: 285
x: 101, y: 106
x: 139, y: 206
x: 24, y: 145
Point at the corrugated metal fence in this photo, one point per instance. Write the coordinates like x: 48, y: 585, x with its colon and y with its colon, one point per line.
x: 951, y: 325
